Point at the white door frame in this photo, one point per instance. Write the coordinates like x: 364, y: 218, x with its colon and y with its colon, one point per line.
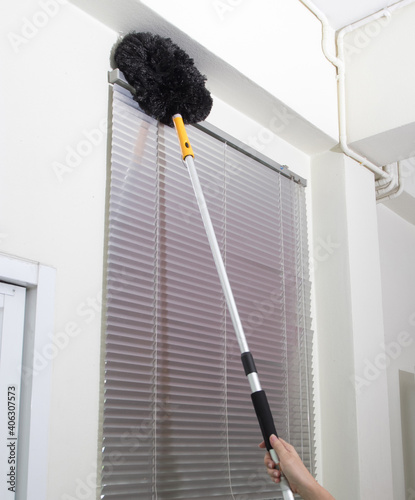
x: 39, y: 281
x: 13, y: 304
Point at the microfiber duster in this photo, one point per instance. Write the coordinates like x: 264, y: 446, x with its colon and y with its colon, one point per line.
x: 164, y: 77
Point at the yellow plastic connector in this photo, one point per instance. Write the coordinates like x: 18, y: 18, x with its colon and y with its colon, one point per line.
x: 182, y: 135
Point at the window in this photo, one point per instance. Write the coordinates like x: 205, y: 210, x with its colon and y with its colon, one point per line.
x: 178, y: 420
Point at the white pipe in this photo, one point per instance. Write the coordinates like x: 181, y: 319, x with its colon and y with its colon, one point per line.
x: 383, y: 183
x: 385, y: 177
x: 386, y: 187
x: 327, y: 31
x: 338, y: 61
x: 342, y: 114
x: 396, y: 190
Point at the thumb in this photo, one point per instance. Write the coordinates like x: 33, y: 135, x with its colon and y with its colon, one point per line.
x: 278, y: 445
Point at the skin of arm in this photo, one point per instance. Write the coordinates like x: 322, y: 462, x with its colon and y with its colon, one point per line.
x: 298, y: 476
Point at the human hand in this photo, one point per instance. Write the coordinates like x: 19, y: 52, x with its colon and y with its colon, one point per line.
x: 297, y: 474
x: 290, y: 464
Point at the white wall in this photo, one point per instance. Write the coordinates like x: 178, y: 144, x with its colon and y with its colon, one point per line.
x: 275, y: 44
x: 379, y: 87
x: 354, y: 422
x: 54, y: 94
x: 53, y: 129
x: 54, y: 172
x: 397, y: 241
x: 262, y: 58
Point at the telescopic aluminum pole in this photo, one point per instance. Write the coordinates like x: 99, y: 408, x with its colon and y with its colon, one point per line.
x: 258, y: 396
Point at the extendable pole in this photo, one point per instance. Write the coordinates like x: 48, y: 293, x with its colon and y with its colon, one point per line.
x: 258, y: 396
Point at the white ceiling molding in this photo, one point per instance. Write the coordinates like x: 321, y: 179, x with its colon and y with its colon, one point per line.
x: 341, y: 13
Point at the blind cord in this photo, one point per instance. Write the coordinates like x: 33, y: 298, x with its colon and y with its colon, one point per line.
x: 225, y: 327
x: 156, y: 310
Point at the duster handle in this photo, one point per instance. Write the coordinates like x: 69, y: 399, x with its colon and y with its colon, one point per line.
x: 182, y: 135
x: 258, y: 396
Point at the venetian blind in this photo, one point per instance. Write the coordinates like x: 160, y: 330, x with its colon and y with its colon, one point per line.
x: 178, y: 422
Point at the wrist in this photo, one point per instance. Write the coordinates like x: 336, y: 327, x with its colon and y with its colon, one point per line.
x: 314, y: 491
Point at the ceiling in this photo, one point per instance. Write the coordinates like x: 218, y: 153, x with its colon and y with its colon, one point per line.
x: 340, y: 13
x: 260, y: 105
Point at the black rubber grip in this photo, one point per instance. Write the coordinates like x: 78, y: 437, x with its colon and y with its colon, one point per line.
x: 248, y: 362
x: 263, y: 413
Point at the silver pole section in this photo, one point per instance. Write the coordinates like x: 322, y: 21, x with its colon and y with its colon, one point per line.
x: 217, y: 257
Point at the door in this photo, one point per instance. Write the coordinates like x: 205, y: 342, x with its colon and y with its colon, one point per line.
x: 12, y: 312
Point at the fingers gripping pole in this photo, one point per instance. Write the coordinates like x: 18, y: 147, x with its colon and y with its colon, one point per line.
x: 258, y: 396
x: 285, y: 487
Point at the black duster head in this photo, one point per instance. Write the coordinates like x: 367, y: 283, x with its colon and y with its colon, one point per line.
x: 164, y: 77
